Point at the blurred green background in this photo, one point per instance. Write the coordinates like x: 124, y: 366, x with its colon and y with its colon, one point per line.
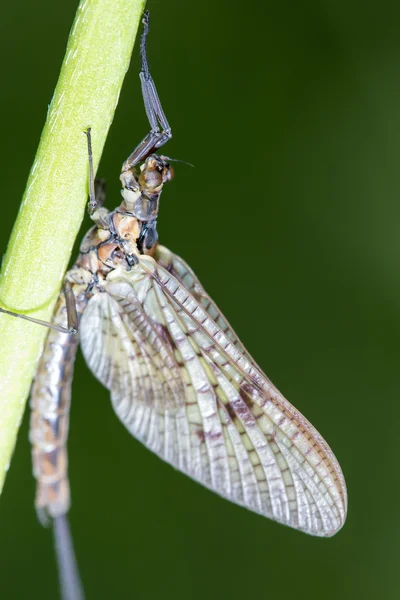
x: 290, y: 113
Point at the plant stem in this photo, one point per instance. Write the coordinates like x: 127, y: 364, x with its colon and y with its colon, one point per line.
x: 96, y: 60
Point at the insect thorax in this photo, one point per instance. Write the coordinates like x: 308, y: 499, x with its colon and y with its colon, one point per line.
x: 104, y: 248
x: 130, y: 230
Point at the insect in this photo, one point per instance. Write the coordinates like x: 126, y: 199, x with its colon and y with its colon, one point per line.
x: 180, y: 379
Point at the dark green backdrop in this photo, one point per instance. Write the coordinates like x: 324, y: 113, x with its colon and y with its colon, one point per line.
x: 290, y: 112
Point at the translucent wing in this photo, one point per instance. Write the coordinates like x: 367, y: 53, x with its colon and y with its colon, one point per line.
x: 183, y: 273
x: 182, y: 384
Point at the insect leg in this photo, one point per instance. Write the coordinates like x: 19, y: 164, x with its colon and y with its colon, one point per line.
x: 160, y: 131
x: 70, y: 303
x: 72, y: 319
x: 92, y: 204
x: 97, y: 212
x: 100, y: 190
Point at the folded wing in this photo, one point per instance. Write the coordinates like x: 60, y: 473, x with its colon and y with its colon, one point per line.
x: 182, y: 383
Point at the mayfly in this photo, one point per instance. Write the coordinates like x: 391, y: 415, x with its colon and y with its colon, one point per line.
x: 180, y: 379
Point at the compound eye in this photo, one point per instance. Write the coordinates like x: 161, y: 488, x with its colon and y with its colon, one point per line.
x: 150, y: 179
x: 169, y: 174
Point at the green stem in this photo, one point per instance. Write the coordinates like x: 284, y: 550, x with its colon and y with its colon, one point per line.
x: 96, y: 60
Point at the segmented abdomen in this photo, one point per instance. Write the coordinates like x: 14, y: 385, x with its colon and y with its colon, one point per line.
x: 50, y: 404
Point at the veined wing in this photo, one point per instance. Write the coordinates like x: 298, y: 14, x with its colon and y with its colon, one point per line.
x: 182, y: 386
x: 184, y: 274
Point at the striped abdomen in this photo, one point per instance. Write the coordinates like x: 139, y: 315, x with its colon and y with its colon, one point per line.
x: 50, y: 404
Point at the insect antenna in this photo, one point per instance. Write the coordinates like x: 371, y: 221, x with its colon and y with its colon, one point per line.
x: 70, y: 583
x: 185, y: 162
